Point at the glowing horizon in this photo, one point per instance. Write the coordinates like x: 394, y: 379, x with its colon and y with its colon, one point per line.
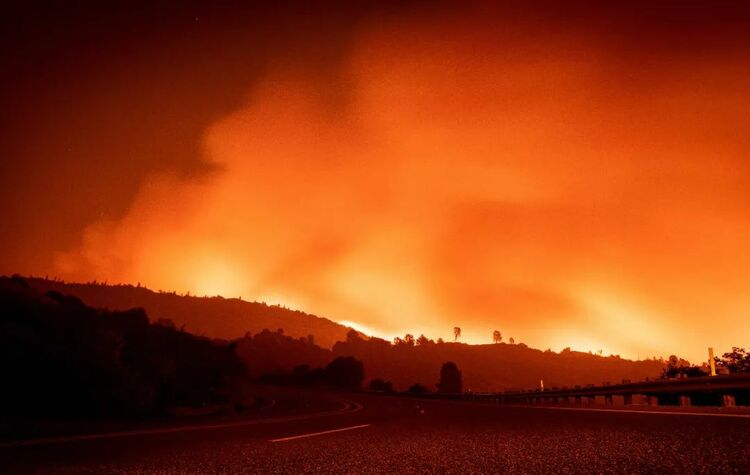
x: 565, y: 183
x: 469, y: 336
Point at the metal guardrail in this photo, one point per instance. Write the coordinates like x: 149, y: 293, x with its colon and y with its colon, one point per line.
x: 724, y: 390
x: 647, y: 388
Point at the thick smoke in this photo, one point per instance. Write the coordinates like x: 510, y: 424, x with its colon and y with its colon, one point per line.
x: 541, y: 184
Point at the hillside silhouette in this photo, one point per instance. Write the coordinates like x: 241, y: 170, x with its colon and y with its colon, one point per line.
x: 274, y: 353
x: 272, y: 340
x: 491, y: 367
x: 59, y: 357
x: 215, y: 317
x: 274, y: 356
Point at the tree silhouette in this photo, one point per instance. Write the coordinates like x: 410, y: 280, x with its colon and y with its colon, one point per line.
x: 456, y: 333
x: 398, y: 341
x: 497, y: 337
x: 409, y: 339
x: 418, y: 389
x: 62, y: 358
x: 423, y: 340
x: 450, y: 379
x: 678, y: 367
x: 512, y: 341
x: 378, y: 384
x: 303, y: 375
x: 736, y: 361
x: 352, y: 335
x: 345, y: 372
x: 270, y: 353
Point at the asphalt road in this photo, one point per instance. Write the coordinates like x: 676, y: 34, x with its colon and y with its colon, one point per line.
x: 349, y: 433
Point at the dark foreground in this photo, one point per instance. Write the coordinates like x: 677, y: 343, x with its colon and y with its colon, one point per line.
x: 389, y: 434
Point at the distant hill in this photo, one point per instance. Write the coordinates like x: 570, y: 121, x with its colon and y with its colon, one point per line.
x: 485, y: 367
x: 492, y: 367
x: 215, y: 317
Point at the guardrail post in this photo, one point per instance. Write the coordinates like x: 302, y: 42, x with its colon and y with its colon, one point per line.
x: 727, y: 400
x: 653, y: 401
x: 684, y: 401
x: 578, y: 400
x: 627, y: 399
x: 608, y: 400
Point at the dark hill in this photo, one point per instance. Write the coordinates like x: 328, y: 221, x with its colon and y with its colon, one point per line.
x: 61, y: 358
x: 485, y: 367
x: 215, y: 317
x: 492, y: 367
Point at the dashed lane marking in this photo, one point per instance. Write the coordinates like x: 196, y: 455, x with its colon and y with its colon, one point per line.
x: 348, y: 407
x: 315, y: 434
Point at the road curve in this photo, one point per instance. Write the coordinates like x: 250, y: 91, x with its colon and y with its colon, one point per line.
x: 390, y: 434
x: 346, y: 407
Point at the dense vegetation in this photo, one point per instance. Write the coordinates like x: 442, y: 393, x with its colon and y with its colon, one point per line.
x: 491, y: 367
x: 735, y: 361
x: 450, y: 379
x: 61, y: 357
x: 215, y: 317
x: 343, y: 372
x: 277, y: 357
x: 272, y: 353
x: 315, y: 342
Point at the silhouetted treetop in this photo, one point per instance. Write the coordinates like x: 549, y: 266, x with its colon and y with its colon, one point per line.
x: 736, y: 361
x: 678, y: 367
x: 345, y: 372
x: 450, y: 379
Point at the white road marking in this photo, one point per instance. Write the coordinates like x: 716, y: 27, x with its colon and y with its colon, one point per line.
x: 348, y: 407
x: 314, y: 434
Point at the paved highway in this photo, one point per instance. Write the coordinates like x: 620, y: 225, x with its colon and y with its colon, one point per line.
x: 325, y: 432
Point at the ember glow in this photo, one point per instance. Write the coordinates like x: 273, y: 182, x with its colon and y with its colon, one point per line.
x: 567, y: 184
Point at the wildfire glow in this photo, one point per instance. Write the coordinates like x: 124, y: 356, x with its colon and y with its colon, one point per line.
x: 458, y: 175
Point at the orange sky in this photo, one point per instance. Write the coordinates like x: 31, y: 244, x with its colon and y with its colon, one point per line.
x: 549, y: 181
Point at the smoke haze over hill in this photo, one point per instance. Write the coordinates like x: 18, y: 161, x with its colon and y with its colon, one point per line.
x: 288, y: 343
x: 215, y: 317
x: 574, y: 176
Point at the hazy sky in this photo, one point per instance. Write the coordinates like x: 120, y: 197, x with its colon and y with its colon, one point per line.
x: 571, y: 176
